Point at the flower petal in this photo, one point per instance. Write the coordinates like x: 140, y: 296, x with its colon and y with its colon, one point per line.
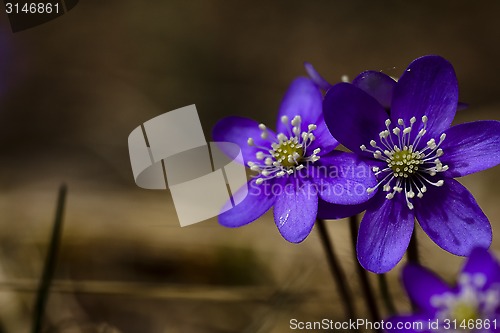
x: 378, y: 85
x: 257, y: 202
x: 384, y: 233
x: 481, y: 261
x: 471, y: 147
x: 316, y: 77
x: 295, y: 210
x: 343, y: 178
x: 462, y: 106
x: 452, y: 218
x: 303, y: 98
x: 353, y: 116
x: 329, y: 211
x: 323, y: 138
x: 421, y: 284
x: 427, y: 87
x: 238, y: 130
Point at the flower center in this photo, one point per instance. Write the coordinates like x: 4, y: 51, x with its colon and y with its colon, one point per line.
x: 464, y: 312
x: 288, y: 152
x: 471, y: 302
x: 410, y: 167
x: 404, y: 163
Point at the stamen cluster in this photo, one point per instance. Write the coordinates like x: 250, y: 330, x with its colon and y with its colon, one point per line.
x: 471, y: 303
x: 288, y: 152
x: 409, y: 168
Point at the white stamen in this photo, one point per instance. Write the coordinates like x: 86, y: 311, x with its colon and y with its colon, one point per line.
x: 296, y: 121
x: 288, y: 153
x: 410, y: 164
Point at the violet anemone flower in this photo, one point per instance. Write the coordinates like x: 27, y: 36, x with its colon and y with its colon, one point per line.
x: 377, y: 84
x: 415, y: 155
x: 473, y: 305
x: 297, y: 169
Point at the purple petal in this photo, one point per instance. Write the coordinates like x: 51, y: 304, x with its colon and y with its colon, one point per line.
x: 414, y: 323
x: 427, y: 87
x: 316, y: 77
x: 352, y: 116
x: 421, y: 285
x: 452, y: 218
x: 324, y: 138
x: 295, y: 210
x: 481, y: 261
x: 343, y: 178
x: 384, y: 233
x: 302, y: 99
x: 238, y: 130
x: 329, y: 211
x: 471, y: 147
x: 258, y: 201
x: 378, y: 85
x: 462, y: 106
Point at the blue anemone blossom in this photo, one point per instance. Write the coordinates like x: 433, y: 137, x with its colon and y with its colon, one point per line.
x: 415, y: 154
x: 473, y: 305
x: 297, y: 170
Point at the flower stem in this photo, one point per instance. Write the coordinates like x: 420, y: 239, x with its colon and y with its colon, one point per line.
x: 412, y: 252
x: 336, y: 270
x: 50, y: 263
x: 413, y: 257
x: 386, y: 295
x: 371, y: 304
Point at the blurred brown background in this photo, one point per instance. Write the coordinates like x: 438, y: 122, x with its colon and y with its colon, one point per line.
x: 74, y: 88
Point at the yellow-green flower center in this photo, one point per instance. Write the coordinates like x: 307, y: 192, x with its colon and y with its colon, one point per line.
x: 464, y: 312
x: 289, y: 152
x: 404, y: 162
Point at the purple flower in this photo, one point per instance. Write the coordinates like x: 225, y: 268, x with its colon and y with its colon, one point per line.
x: 298, y: 170
x: 377, y: 84
x: 415, y: 155
x: 472, y: 305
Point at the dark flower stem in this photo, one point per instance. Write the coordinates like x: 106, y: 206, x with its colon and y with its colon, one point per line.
x: 386, y: 295
x: 371, y: 304
x: 336, y: 270
x: 412, y: 252
x: 50, y: 264
x: 413, y: 257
